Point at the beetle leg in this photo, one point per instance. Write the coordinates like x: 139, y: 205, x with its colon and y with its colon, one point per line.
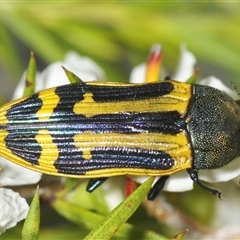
x: 193, y: 173
x: 157, y: 188
x: 94, y: 183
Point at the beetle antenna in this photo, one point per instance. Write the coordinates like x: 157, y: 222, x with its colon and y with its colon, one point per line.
x: 236, y: 88
x: 237, y: 91
x: 193, y: 173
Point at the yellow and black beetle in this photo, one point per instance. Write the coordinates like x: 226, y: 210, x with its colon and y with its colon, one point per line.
x: 97, y: 130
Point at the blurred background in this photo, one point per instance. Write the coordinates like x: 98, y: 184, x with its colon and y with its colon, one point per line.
x: 118, y: 36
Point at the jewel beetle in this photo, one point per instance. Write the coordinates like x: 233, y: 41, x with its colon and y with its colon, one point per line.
x: 97, y: 130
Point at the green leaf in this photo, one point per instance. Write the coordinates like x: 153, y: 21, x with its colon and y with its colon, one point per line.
x: 109, y: 225
x: 31, y: 225
x: 76, y: 214
x: 71, y: 76
x: 193, y: 78
x: 88, y: 219
x: 180, y: 236
x: 94, y: 201
x: 30, y: 77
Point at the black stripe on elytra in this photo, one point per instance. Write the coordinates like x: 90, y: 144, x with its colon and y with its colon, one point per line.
x: 115, y: 93
x: 22, y: 130
x: 65, y: 120
x: 109, y: 158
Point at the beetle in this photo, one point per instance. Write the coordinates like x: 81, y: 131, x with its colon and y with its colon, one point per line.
x: 97, y: 130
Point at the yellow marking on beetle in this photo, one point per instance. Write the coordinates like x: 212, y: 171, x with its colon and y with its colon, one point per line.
x: 3, y: 119
x: 3, y: 135
x: 176, y: 100
x: 175, y: 145
x: 87, y: 154
x: 154, y: 141
x: 48, y: 104
x: 49, y: 153
x: 134, y: 171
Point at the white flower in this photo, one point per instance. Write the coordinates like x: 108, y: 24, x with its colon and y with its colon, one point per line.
x: 15, y: 175
x: 13, y: 209
x: 184, y: 70
x: 85, y: 68
x: 186, y: 65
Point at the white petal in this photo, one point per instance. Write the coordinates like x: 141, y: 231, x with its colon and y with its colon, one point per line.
x: 54, y: 75
x: 13, y: 209
x: 138, y: 74
x: 14, y: 175
x: 18, y: 92
x: 217, y: 83
x: 179, y: 182
x: 140, y: 179
x: 83, y: 67
x: 223, y: 174
x: 186, y: 65
x: 51, y: 76
x: 114, y: 191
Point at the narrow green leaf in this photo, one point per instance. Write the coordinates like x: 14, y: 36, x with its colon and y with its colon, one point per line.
x: 71, y: 76
x: 31, y: 225
x: 193, y: 78
x: 236, y: 88
x: 89, y: 220
x: 180, y: 236
x: 109, y: 225
x: 30, y: 77
x: 76, y: 214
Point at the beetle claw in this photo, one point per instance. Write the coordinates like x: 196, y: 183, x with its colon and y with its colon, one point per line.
x: 193, y: 173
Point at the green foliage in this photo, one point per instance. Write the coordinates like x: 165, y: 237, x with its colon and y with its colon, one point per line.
x: 71, y: 76
x: 107, y: 227
x: 30, y: 77
x: 118, y: 35
x: 31, y: 225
